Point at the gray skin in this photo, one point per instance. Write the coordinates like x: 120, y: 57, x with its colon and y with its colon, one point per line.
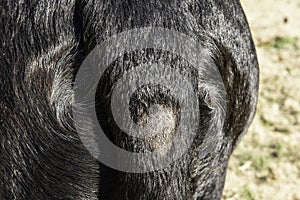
x: 42, y: 46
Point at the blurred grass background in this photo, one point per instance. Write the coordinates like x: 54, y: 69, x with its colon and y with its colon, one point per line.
x: 266, y: 163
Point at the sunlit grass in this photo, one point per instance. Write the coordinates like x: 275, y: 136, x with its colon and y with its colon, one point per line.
x: 266, y: 163
x: 279, y: 42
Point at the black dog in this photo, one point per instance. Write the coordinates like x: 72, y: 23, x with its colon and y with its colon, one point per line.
x: 43, y: 44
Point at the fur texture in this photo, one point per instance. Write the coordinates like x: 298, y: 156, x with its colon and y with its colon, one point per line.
x: 43, y: 44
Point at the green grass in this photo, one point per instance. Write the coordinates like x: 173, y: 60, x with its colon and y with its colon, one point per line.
x: 259, y: 162
x: 265, y: 121
x: 282, y: 42
x: 247, y: 194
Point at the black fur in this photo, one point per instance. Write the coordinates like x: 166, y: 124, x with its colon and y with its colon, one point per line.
x: 42, y: 46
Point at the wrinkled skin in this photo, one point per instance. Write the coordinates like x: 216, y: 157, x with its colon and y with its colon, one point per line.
x: 42, y: 47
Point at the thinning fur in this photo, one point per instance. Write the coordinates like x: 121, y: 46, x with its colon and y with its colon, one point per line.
x: 42, y: 46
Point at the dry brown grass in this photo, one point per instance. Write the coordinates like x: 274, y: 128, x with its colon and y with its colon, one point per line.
x: 266, y: 164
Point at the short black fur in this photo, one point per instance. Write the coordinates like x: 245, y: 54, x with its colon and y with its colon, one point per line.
x: 43, y: 44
